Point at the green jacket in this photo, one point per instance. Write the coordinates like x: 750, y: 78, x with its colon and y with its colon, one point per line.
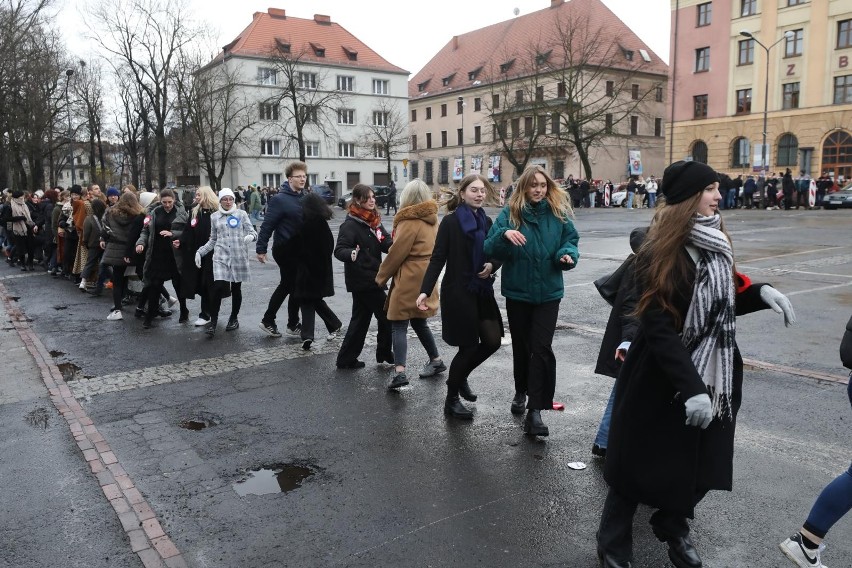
x: 255, y: 205
x: 532, y: 273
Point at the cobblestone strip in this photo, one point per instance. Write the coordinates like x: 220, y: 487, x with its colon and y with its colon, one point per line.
x: 147, y: 538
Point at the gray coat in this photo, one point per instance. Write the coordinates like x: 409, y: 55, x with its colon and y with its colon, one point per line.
x: 230, y: 251
x: 120, y: 235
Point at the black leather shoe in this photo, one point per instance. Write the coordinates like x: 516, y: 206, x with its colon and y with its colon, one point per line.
x: 399, y: 380
x: 682, y: 552
x: 164, y: 313
x: 210, y: 328
x: 607, y: 561
x: 139, y: 313
x: 453, y: 407
x: 465, y: 392
x: 533, y: 424
x: 356, y: 364
x: 598, y: 451
x: 233, y: 324
x: 184, y: 316
x: 519, y: 403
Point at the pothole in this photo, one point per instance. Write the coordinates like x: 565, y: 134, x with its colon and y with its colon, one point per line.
x: 38, y: 418
x: 276, y: 478
x: 71, y: 372
x: 200, y: 421
x: 14, y: 298
x: 56, y: 354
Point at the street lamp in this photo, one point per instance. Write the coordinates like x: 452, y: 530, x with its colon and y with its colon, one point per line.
x: 787, y: 35
x: 463, y: 104
x: 68, y: 74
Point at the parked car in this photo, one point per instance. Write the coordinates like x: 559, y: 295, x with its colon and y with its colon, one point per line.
x: 345, y: 200
x: 617, y: 199
x: 842, y: 198
x: 380, y: 191
x: 325, y: 192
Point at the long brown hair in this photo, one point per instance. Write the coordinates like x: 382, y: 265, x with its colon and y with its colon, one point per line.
x: 454, y: 198
x: 556, y: 197
x: 127, y: 206
x: 660, y: 264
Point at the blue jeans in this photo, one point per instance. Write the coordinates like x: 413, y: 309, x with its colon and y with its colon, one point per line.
x: 630, y: 200
x: 399, y: 334
x: 652, y: 200
x: 731, y: 198
x: 603, y: 430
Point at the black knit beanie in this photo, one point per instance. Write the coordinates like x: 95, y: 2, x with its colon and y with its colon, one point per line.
x: 682, y: 180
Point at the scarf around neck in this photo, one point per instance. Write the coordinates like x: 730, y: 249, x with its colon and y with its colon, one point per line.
x: 20, y: 209
x: 473, y: 224
x: 710, y: 323
x: 370, y: 216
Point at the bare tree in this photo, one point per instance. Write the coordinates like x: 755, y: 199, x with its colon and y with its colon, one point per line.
x: 130, y: 120
x: 386, y: 135
x: 87, y: 92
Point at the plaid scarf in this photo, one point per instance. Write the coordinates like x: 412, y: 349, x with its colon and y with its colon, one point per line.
x: 708, y: 330
x: 20, y: 209
x: 370, y: 216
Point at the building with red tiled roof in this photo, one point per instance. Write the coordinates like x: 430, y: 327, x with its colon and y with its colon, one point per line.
x: 310, y: 88
x: 497, y: 98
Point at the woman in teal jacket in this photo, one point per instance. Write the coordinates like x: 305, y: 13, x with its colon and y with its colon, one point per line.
x: 536, y: 241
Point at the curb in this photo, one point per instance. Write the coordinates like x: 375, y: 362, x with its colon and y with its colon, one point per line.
x: 144, y: 532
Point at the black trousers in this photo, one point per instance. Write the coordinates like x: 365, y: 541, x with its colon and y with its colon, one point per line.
x: 470, y: 357
x: 801, y: 199
x: 532, y: 327
x: 312, y: 307
x: 284, y: 288
x: 615, y: 534
x: 119, y: 285
x: 220, y: 290
x: 365, y: 305
x: 24, y: 249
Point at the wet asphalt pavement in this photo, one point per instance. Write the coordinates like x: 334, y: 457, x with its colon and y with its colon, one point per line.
x: 394, y: 483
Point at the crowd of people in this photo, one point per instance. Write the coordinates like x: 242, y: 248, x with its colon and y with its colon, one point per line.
x: 667, y: 434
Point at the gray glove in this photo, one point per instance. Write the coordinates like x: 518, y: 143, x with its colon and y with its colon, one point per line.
x: 779, y: 303
x: 699, y: 411
x: 198, y: 259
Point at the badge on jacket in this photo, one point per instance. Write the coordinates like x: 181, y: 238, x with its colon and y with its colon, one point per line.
x: 379, y: 235
x: 194, y: 222
x: 233, y: 222
x: 147, y: 220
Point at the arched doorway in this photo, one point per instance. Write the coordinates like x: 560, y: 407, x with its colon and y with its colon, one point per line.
x: 699, y: 151
x: 837, y: 155
x: 740, y: 153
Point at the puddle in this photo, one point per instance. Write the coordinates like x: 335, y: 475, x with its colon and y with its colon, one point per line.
x: 200, y: 422
x: 38, y: 418
x: 55, y: 354
x: 71, y: 372
x: 57, y: 308
x: 279, y: 478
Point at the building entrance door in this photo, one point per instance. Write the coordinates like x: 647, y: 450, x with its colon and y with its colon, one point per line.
x: 837, y: 155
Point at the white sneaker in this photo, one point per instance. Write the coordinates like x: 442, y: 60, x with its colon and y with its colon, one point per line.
x: 334, y: 334
x: 795, y: 550
x: 172, y: 301
x: 201, y: 321
x: 82, y: 285
x: 115, y: 315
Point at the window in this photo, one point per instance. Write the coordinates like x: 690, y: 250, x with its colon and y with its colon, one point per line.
x: 541, y: 125
x: 346, y: 150
x: 422, y: 86
x: 313, y: 179
x: 844, y: 34
x: 795, y: 2
x: 319, y: 50
x: 788, y: 150
x: 519, y: 96
x: 473, y: 74
x: 559, y: 169
x: 267, y: 76
x: 699, y: 106
x: 749, y: 8
x: 270, y: 147
x: 658, y: 94
x: 555, y: 123
x: 268, y: 111
x: 702, y: 59
x: 413, y: 142
x: 427, y: 174
x: 270, y: 180
x: 791, y: 95
x: 428, y: 113
x: 705, y: 11
x: 658, y: 127
x: 312, y: 149
x: 378, y: 150
x: 380, y: 118
x: 443, y: 139
x: 477, y: 134
x: 516, y: 127
x: 346, y: 116
x: 746, y: 54
x: 459, y: 107
x: 561, y: 92
x: 539, y: 94
x: 608, y: 124
x: 699, y: 151
x: 743, y: 101
x: 345, y: 83
x: 415, y: 169
x: 444, y: 171
x: 495, y: 102
x: 459, y: 137
x: 843, y: 90
x: 307, y: 80
x: 634, y: 125
x: 477, y: 104
x: 444, y: 109
x: 610, y: 88
x: 740, y: 151
x: 380, y: 87
x: 793, y: 45
x: 428, y: 140
x: 414, y: 115
x: 309, y: 114
x: 504, y: 67
x: 528, y: 126
x: 634, y: 92
x: 447, y: 80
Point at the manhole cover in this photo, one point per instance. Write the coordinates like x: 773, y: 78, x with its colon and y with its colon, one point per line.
x: 279, y: 478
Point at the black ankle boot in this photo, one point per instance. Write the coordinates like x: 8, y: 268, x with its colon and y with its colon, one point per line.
x: 210, y: 328
x: 453, y: 407
x: 465, y: 392
x: 519, y: 402
x: 533, y: 424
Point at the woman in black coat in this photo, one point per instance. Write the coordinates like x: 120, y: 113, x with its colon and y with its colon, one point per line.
x: 470, y: 317
x: 670, y: 442
x: 361, y: 241
x: 191, y: 232
x: 314, y: 247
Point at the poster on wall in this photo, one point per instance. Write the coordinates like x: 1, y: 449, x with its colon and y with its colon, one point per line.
x: 458, y: 168
x: 494, y: 168
x: 476, y: 164
x: 635, y: 162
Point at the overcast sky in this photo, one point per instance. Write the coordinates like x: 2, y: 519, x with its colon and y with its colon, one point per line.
x: 406, y: 33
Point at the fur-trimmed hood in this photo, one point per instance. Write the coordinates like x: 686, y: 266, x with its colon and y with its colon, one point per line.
x: 426, y: 211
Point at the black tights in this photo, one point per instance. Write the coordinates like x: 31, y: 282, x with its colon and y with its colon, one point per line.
x: 470, y: 357
x: 157, y: 288
x: 220, y: 288
x: 119, y: 284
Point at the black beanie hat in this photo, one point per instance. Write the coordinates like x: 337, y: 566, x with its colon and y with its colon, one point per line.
x: 76, y: 189
x: 682, y: 180
x: 17, y: 193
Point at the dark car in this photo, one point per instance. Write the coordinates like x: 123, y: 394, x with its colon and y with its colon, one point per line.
x: 325, y: 192
x: 842, y: 198
x: 380, y: 191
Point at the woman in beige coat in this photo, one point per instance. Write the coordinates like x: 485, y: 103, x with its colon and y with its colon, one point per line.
x: 414, y: 230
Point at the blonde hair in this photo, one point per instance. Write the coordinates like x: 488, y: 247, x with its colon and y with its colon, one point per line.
x: 208, y: 201
x: 414, y: 192
x: 556, y: 197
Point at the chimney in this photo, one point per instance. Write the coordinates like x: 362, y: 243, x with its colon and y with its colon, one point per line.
x: 455, y: 42
x: 277, y: 12
x: 556, y: 3
x: 255, y: 15
x: 321, y: 19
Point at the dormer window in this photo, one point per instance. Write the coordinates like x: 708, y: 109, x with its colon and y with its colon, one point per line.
x: 628, y: 54
x: 542, y: 58
x: 283, y: 46
x: 474, y: 74
x: 422, y: 86
x: 447, y: 80
x: 351, y: 54
x: 319, y: 50
x: 504, y: 67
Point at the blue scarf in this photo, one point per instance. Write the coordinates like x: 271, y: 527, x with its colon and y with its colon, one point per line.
x: 473, y: 224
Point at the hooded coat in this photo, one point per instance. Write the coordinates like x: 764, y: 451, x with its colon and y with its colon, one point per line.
x: 414, y: 230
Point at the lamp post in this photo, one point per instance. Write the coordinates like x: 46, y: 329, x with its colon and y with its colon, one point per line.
x: 788, y: 34
x: 68, y: 74
x: 464, y: 166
